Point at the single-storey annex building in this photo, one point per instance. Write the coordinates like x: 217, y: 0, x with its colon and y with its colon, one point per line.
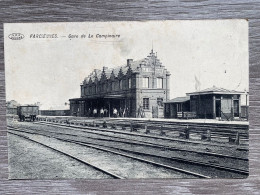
x: 209, y: 103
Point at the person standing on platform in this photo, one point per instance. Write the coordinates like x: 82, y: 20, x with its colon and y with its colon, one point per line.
x: 89, y: 112
x: 95, y: 112
x: 101, y: 112
x: 124, y: 112
x: 121, y: 112
x: 105, y: 112
x: 115, y: 112
x: 127, y: 112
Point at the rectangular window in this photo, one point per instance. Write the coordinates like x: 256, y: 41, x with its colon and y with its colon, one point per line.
x: 82, y: 91
x: 160, y: 102
x: 146, y: 82
x: 121, y: 84
x: 236, y: 108
x: 129, y: 83
x: 179, y: 107
x: 106, y: 87
x: 116, y: 85
x: 146, y: 103
x: 159, y: 83
x: 113, y: 86
x: 110, y: 86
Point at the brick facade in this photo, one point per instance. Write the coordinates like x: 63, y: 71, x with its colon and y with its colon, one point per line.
x: 136, y: 89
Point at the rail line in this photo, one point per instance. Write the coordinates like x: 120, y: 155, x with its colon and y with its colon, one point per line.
x: 224, y: 129
x: 240, y: 171
x: 139, y: 135
x: 73, y: 157
x: 216, y: 130
x: 110, y: 151
x: 148, y: 143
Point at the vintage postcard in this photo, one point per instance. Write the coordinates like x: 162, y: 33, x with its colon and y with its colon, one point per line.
x: 124, y: 100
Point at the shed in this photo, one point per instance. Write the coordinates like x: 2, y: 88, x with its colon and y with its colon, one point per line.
x: 215, y: 103
x: 175, y: 106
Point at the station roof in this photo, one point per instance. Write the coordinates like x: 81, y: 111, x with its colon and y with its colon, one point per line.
x: 112, y: 96
x: 133, y: 66
x: 215, y: 90
x: 178, y: 100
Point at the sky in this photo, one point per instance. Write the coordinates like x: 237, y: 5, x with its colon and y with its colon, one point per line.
x: 50, y: 70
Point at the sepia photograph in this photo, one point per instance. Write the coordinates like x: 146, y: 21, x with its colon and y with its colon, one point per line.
x: 127, y: 99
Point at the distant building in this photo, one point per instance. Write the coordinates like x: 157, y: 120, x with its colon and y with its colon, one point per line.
x: 136, y: 89
x: 11, y: 107
x: 209, y: 103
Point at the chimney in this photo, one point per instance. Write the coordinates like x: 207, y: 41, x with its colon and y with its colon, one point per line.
x: 129, y: 62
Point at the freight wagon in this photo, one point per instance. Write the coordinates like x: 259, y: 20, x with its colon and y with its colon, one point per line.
x: 27, y: 112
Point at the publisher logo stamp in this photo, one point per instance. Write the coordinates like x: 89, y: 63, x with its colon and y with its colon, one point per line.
x: 16, y: 36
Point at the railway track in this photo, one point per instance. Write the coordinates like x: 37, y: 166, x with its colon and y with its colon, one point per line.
x: 200, y: 163
x: 148, y: 143
x: 195, y: 142
x: 70, y: 156
x: 225, y: 129
x: 105, y: 150
x: 220, y: 132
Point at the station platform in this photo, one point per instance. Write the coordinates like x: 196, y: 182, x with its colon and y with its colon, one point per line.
x: 199, y: 121
x: 208, y: 121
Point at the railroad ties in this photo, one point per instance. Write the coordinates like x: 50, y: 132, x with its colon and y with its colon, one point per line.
x: 145, y: 142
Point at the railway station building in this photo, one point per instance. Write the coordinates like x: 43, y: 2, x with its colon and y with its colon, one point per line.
x: 136, y: 89
x: 209, y: 103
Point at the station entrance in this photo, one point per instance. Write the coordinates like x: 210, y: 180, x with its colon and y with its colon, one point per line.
x: 108, y: 106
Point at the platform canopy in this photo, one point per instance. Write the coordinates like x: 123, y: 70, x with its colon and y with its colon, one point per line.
x: 114, y: 97
x: 215, y: 90
x: 101, y: 97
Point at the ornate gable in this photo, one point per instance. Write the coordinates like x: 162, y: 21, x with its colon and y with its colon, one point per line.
x: 103, y: 76
x: 90, y: 81
x: 120, y: 74
x: 96, y: 77
x: 112, y: 76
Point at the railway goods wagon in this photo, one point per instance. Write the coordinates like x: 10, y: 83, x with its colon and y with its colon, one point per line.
x: 27, y: 112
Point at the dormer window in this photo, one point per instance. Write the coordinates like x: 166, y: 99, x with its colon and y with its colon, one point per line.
x: 121, y: 84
